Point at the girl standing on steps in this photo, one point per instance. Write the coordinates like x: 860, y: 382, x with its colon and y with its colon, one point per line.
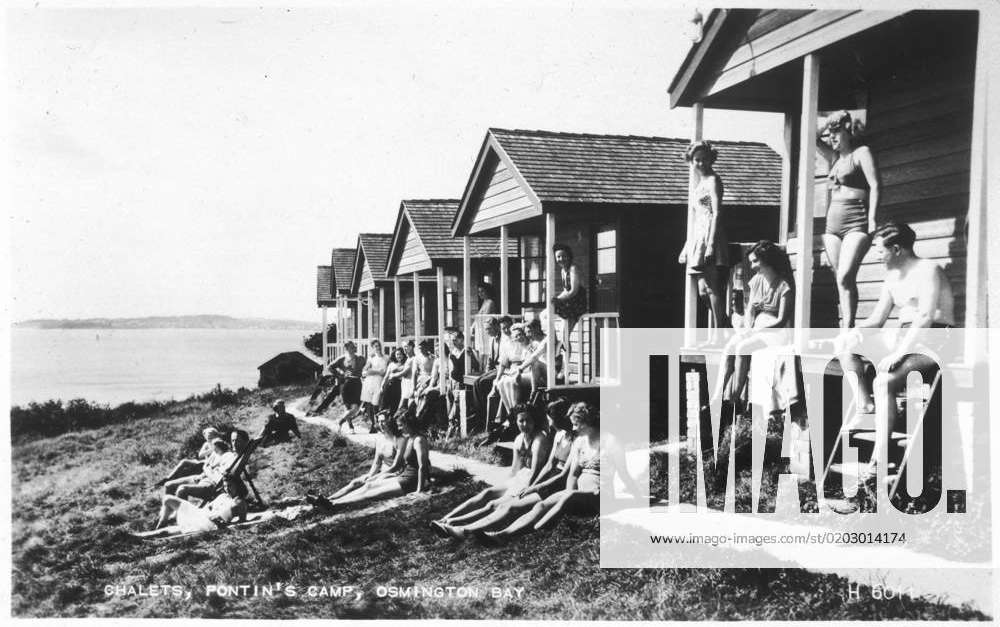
x: 349, y: 366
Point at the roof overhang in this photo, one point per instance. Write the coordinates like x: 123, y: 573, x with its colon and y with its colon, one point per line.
x: 403, y: 225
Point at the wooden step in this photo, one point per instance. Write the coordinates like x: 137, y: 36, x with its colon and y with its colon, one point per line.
x: 870, y: 436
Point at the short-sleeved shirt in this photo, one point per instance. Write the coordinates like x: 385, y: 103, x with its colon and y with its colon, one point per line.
x: 766, y: 298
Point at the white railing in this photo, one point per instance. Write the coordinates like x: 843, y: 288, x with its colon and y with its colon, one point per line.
x: 590, y: 359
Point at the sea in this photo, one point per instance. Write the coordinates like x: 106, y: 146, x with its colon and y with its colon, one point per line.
x: 113, y: 366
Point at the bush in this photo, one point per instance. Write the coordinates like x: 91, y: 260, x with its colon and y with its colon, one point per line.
x: 53, y: 418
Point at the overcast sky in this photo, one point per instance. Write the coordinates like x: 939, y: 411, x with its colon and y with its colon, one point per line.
x: 174, y: 161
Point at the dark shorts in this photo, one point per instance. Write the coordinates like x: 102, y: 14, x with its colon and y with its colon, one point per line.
x: 408, y: 479
x: 846, y: 216
x: 351, y: 391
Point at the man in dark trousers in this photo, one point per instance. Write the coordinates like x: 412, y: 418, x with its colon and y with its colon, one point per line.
x: 279, y: 426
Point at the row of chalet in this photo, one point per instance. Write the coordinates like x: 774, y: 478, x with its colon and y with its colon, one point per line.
x: 619, y: 202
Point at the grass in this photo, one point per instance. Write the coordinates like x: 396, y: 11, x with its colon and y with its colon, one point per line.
x: 77, y: 496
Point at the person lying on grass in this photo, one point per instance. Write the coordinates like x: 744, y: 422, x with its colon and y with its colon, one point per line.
x: 584, y: 480
x: 203, y: 484
x: 410, y: 473
x: 220, y: 511
x: 188, y: 467
x: 387, y: 454
x: 531, y: 446
x: 279, y: 427
x: 549, y: 479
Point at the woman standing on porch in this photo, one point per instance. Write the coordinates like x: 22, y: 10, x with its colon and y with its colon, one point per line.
x: 571, y: 302
x: 850, y: 216
x: 706, y: 251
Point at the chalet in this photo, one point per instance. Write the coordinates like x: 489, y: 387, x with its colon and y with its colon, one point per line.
x: 324, y: 300
x: 348, y: 305
x: 288, y: 369
x: 912, y: 77
x: 374, y: 289
x: 441, y: 269
x: 620, y: 203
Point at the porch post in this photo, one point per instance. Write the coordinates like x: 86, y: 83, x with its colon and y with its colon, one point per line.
x: 398, y: 310
x: 442, y: 349
x: 806, y: 197
x: 976, y: 312
x: 504, y: 279
x: 786, y: 179
x: 467, y: 297
x: 322, y: 351
x: 550, y: 291
x: 416, y: 308
x: 690, y: 282
x: 340, y: 325
x: 381, y: 314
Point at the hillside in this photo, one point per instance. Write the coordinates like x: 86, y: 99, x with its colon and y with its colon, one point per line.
x: 166, y: 322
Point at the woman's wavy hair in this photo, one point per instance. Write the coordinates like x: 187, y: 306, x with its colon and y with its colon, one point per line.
x: 586, y: 414
x: 843, y: 120
x: 774, y: 256
x: 709, y: 149
x: 407, y: 418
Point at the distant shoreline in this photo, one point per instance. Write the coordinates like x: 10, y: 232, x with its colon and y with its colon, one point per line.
x: 167, y: 322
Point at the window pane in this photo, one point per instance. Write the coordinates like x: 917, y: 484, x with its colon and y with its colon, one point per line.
x: 606, y: 261
x: 606, y: 239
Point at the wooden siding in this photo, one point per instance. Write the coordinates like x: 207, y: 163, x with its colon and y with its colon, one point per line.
x: 919, y: 130
x: 503, y: 201
x: 766, y: 47
x: 413, y: 258
x: 367, y: 281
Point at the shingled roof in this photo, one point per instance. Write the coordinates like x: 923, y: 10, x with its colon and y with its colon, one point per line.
x: 342, y: 260
x: 324, y: 294
x: 625, y: 169
x: 376, y: 248
x: 577, y: 167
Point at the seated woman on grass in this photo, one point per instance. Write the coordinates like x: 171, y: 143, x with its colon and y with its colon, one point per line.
x: 584, y: 481
x: 387, y: 456
x: 409, y: 474
x: 203, y: 485
x: 531, y: 446
x: 222, y: 510
x: 188, y: 467
x: 508, y: 506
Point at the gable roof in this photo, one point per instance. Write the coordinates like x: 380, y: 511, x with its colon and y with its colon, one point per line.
x: 324, y: 279
x: 342, y: 260
x: 620, y: 169
x: 431, y: 222
x: 373, y: 251
x: 293, y: 356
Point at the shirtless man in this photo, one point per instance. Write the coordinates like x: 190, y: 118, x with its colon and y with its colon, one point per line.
x: 921, y: 291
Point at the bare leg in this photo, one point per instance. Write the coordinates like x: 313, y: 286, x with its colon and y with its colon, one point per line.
x: 184, y: 468
x: 832, y: 245
x: 348, y: 417
x: 381, y: 490
x: 167, y: 510
x: 353, y: 485
x: 852, y: 251
x: 474, y: 503
x: 498, y: 515
x: 528, y: 520
x: 743, y: 350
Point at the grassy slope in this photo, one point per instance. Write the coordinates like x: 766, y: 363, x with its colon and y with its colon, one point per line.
x: 77, y: 496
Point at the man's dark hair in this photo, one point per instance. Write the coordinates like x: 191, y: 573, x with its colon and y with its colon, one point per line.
x: 896, y: 234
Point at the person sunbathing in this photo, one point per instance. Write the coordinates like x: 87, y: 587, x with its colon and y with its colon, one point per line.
x: 531, y: 446
x: 204, y: 485
x: 189, y: 467
x: 512, y: 504
x: 220, y: 511
x: 584, y: 480
x: 387, y: 454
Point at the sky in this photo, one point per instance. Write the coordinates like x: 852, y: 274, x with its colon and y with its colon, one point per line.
x: 172, y: 161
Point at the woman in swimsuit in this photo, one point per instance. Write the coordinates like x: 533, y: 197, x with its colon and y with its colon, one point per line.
x: 531, y: 446
x: 371, y: 383
x: 706, y: 251
x: 769, y: 308
x: 854, y: 198
x: 392, y: 382
x: 571, y: 302
x: 583, y: 479
x: 349, y: 366
x: 387, y: 455
x: 424, y: 368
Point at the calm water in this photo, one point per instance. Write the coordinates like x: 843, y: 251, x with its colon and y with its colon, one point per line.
x: 114, y: 366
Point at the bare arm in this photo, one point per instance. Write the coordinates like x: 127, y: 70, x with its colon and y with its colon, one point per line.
x: 881, y: 312
x: 515, y: 464
x: 926, y: 306
x: 867, y: 162
x: 715, y: 197
x: 423, y: 463
x: 537, y: 453
x: 785, y: 309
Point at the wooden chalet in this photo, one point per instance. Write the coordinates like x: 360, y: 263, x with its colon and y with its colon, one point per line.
x: 913, y: 78
x: 288, y: 368
x: 425, y: 259
x: 324, y: 300
x: 620, y: 203
x: 348, y: 305
x: 374, y: 290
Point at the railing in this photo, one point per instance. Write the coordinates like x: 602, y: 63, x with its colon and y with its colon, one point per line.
x: 591, y: 361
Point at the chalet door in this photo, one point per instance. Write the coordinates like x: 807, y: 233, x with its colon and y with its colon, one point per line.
x: 604, y: 284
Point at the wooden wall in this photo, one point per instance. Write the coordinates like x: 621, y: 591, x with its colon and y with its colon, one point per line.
x: 413, y: 258
x: 499, y: 198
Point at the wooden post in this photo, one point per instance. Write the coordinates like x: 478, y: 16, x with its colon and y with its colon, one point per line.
x: 398, y: 310
x: 690, y: 282
x: 467, y: 299
x: 323, y: 350
x: 806, y: 198
x: 504, y: 278
x: 340, y: 325
x: 371, y: 316
x: 416, y: 308
x: 442, y: 349
x: 787, y: 184
x: 550, y: 291
x: 381, y: 314
x: 976, y: 313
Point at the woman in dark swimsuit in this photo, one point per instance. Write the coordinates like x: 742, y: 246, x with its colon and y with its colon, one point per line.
x: 349, y: 366
x: 854, y: 197
x: 571, y: 302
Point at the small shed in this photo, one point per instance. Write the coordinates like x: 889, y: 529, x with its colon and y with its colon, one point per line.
x: 287, y: 369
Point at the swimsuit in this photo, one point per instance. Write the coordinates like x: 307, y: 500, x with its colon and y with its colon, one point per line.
x: 847, y: 215
x: 408, y: 478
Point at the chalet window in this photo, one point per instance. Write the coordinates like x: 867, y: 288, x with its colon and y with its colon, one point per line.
x: 450, y: 300
x: 606, y: 251
x: 532, y: 272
